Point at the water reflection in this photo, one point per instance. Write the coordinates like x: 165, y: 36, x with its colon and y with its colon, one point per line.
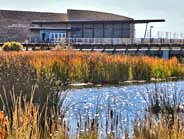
x: 111, y: 110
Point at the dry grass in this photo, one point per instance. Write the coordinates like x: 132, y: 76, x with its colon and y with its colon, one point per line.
x: 88, y: 67
x: 25, y: 121
x: 164, y: 128
x: 4, y: 124
x: 30, y: 116
x: 164, y: 118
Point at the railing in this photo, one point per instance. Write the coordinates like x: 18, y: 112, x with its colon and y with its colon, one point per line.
x: 113, y: 41
x: 99, y: 41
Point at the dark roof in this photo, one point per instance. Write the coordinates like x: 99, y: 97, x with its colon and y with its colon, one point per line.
x: 31, y: 15
x: 72, y: 16
x: 86, y: 15
x: 148, y: 21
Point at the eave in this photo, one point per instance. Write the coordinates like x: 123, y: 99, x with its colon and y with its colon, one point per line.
x: 96, y: 21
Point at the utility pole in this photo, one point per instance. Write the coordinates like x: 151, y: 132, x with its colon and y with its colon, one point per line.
x: 151, y: 27
x: 146, y: 30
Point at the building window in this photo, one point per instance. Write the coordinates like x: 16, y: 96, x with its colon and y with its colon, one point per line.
x: 76, y: 30
x: 56, y: 36
x: 52, y: 35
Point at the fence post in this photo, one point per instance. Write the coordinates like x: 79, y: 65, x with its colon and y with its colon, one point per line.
x: 27, y: 48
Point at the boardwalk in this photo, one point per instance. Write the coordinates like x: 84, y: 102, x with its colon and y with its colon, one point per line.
x: 155, y: 47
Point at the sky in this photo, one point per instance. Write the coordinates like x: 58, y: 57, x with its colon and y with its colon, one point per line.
x: 170, y: 10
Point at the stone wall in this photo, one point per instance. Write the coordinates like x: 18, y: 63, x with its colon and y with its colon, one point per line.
x: 15, y: 25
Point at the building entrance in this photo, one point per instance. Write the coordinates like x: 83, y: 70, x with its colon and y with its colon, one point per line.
x: 52, y: 35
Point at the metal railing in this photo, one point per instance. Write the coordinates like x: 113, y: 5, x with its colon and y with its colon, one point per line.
x: 113, y: 41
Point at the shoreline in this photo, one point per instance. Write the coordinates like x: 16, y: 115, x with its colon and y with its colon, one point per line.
x: 124, y: 83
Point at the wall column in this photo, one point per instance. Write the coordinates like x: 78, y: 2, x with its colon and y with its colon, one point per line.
x: 121, y: 30
x: 66, y: 30
x: 93, y: 27
x: 82, y: 30
x: 103, y: 30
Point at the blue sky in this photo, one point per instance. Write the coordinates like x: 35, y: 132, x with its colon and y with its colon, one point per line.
x: 171, y: 10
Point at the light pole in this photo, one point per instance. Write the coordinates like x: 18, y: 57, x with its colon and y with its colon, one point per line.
x: 151, y: 27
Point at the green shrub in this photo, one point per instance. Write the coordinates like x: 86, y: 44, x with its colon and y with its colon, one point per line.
x: 12, y: 46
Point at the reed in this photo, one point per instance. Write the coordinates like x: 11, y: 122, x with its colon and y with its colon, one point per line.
x: 50, y: 72
x: 162, y: 128
x: 62, y: 66
x: 163, y: 117
x: 25, y: 120
x: 106, y: 122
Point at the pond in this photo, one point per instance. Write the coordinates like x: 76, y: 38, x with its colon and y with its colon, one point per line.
x: 111, y: 108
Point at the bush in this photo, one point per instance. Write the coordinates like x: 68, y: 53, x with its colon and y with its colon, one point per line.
x: 12, y: 46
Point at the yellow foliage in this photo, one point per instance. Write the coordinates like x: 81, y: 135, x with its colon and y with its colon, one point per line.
x: 94, y: 67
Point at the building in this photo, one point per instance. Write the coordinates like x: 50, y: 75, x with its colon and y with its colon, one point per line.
x: 75, y: 25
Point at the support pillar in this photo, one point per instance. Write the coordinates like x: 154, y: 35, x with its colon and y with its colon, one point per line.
x: 165, y: 54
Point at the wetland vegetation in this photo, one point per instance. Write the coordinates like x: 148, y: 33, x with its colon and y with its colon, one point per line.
x: 35, y: 102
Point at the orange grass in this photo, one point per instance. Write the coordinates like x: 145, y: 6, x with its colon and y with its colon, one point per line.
x: 49, y: 71
x: 91, y: 67
x: 3, y: 125
x: 27, y: 121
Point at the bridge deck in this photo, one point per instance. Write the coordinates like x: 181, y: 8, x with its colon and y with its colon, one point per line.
x: 134, y: 49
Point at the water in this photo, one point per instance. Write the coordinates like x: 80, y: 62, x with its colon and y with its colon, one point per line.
x: 126, y: 103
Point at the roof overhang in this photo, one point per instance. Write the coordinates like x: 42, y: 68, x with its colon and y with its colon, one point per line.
x: 96, y: 21
x: 48, y: 28
x: 148, y: 21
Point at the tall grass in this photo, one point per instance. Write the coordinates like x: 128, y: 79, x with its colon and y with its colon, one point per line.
x: 107, y: 122
x: 163, y: 117
x: 83, y: 67
x: 50, y: 72
x: 25, y: 120
x: 103, y: 68
x: 162, y: 128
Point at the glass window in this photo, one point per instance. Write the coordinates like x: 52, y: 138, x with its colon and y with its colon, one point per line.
x: 52, y: 35
x: 56, y: 35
